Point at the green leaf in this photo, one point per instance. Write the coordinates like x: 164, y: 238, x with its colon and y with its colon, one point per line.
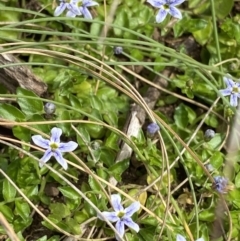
x: 84, y: 137
x: 215, y: 142
x: 22, y: 133
x: 80, y: 217
x: 66, y: 127
x: 29, y: 106
x: 180, y: 116
x: 93, y: 183
x: 9, y: 192
x: 60, y: 210
x: 22, y: 209
x: 69, y: 192
x: 44, y: 238
x: 44, y: 128
x: 20, y: 224
x: 96, y: 103
x: 11, y: 113
x: 107, y: 156
x: 202, y: 36
x: 207, y: 215
x: 237, y: 180
x: 212, y: 121
x: 95, y: 131
x: 147, y: 233
x: 112, y: 141
x: 217, y: 160
x: 54, y: 238
x: 118, y: 168
x: 121, y: 20
x: 111, y: 118
x: 223, y: 8
x: 7, y: 212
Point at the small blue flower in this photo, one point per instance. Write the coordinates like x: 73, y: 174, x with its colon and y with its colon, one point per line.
x: 233, y: 89
x: 152, y: 128
x: 54, y: 147
x: 165, y: 7
x: 84, y: 8
x: 221, y: 184
x: 121, y: 216
x: 181, y: 238
x: 72, y: 7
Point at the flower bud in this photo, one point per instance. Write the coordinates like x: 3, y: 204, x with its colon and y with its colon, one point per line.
x: 118, y: 50
x: 49, y: 108
x: 152, y: 128
x: 209, y: 133
x: 209, y: 167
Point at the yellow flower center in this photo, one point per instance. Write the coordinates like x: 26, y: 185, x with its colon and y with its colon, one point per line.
x: 165, y: 6
x: 235, y: 89
x: 53, y: 146
x: 121, y: 214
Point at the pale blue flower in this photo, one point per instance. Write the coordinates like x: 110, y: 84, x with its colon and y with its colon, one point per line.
x: 233, y: 89
x: 165, y: 7
x: 181, y: 238
x: 54, y: 147
x: 72, y: 7
x: 121, y: 216
x: 84, y: 8
x: 152, y: 128
x: 221, y: 184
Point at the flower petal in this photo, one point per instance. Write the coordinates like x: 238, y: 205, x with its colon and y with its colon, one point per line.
x: 157, y: 3
x: 200, y: 239
x: 226, y: 92
x: 129, y: 222
x: 175, y: 12
x: 40, y: 141
x: 234, y: 100
x: 85, y: 12
x: 56, y: 133
x: 59, y: 10
x: 47, y: 155
x: 67, y: 147
x: 161, y: 15
x: 70, y: 14
x: 110, y: 216
x: 58, y: 155
x: 89, y: 3
x: 116, y: 202
x: 229, y: 82
x: 175, y: 2
x: 74, y: 9
x: 180, y: 238
x: 120, y: 228
x: 134, y: 207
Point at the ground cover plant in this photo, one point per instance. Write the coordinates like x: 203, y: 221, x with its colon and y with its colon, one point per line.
x: 119, y: 120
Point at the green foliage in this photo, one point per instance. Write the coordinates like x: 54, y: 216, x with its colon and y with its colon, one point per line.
x: 94, y: 92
